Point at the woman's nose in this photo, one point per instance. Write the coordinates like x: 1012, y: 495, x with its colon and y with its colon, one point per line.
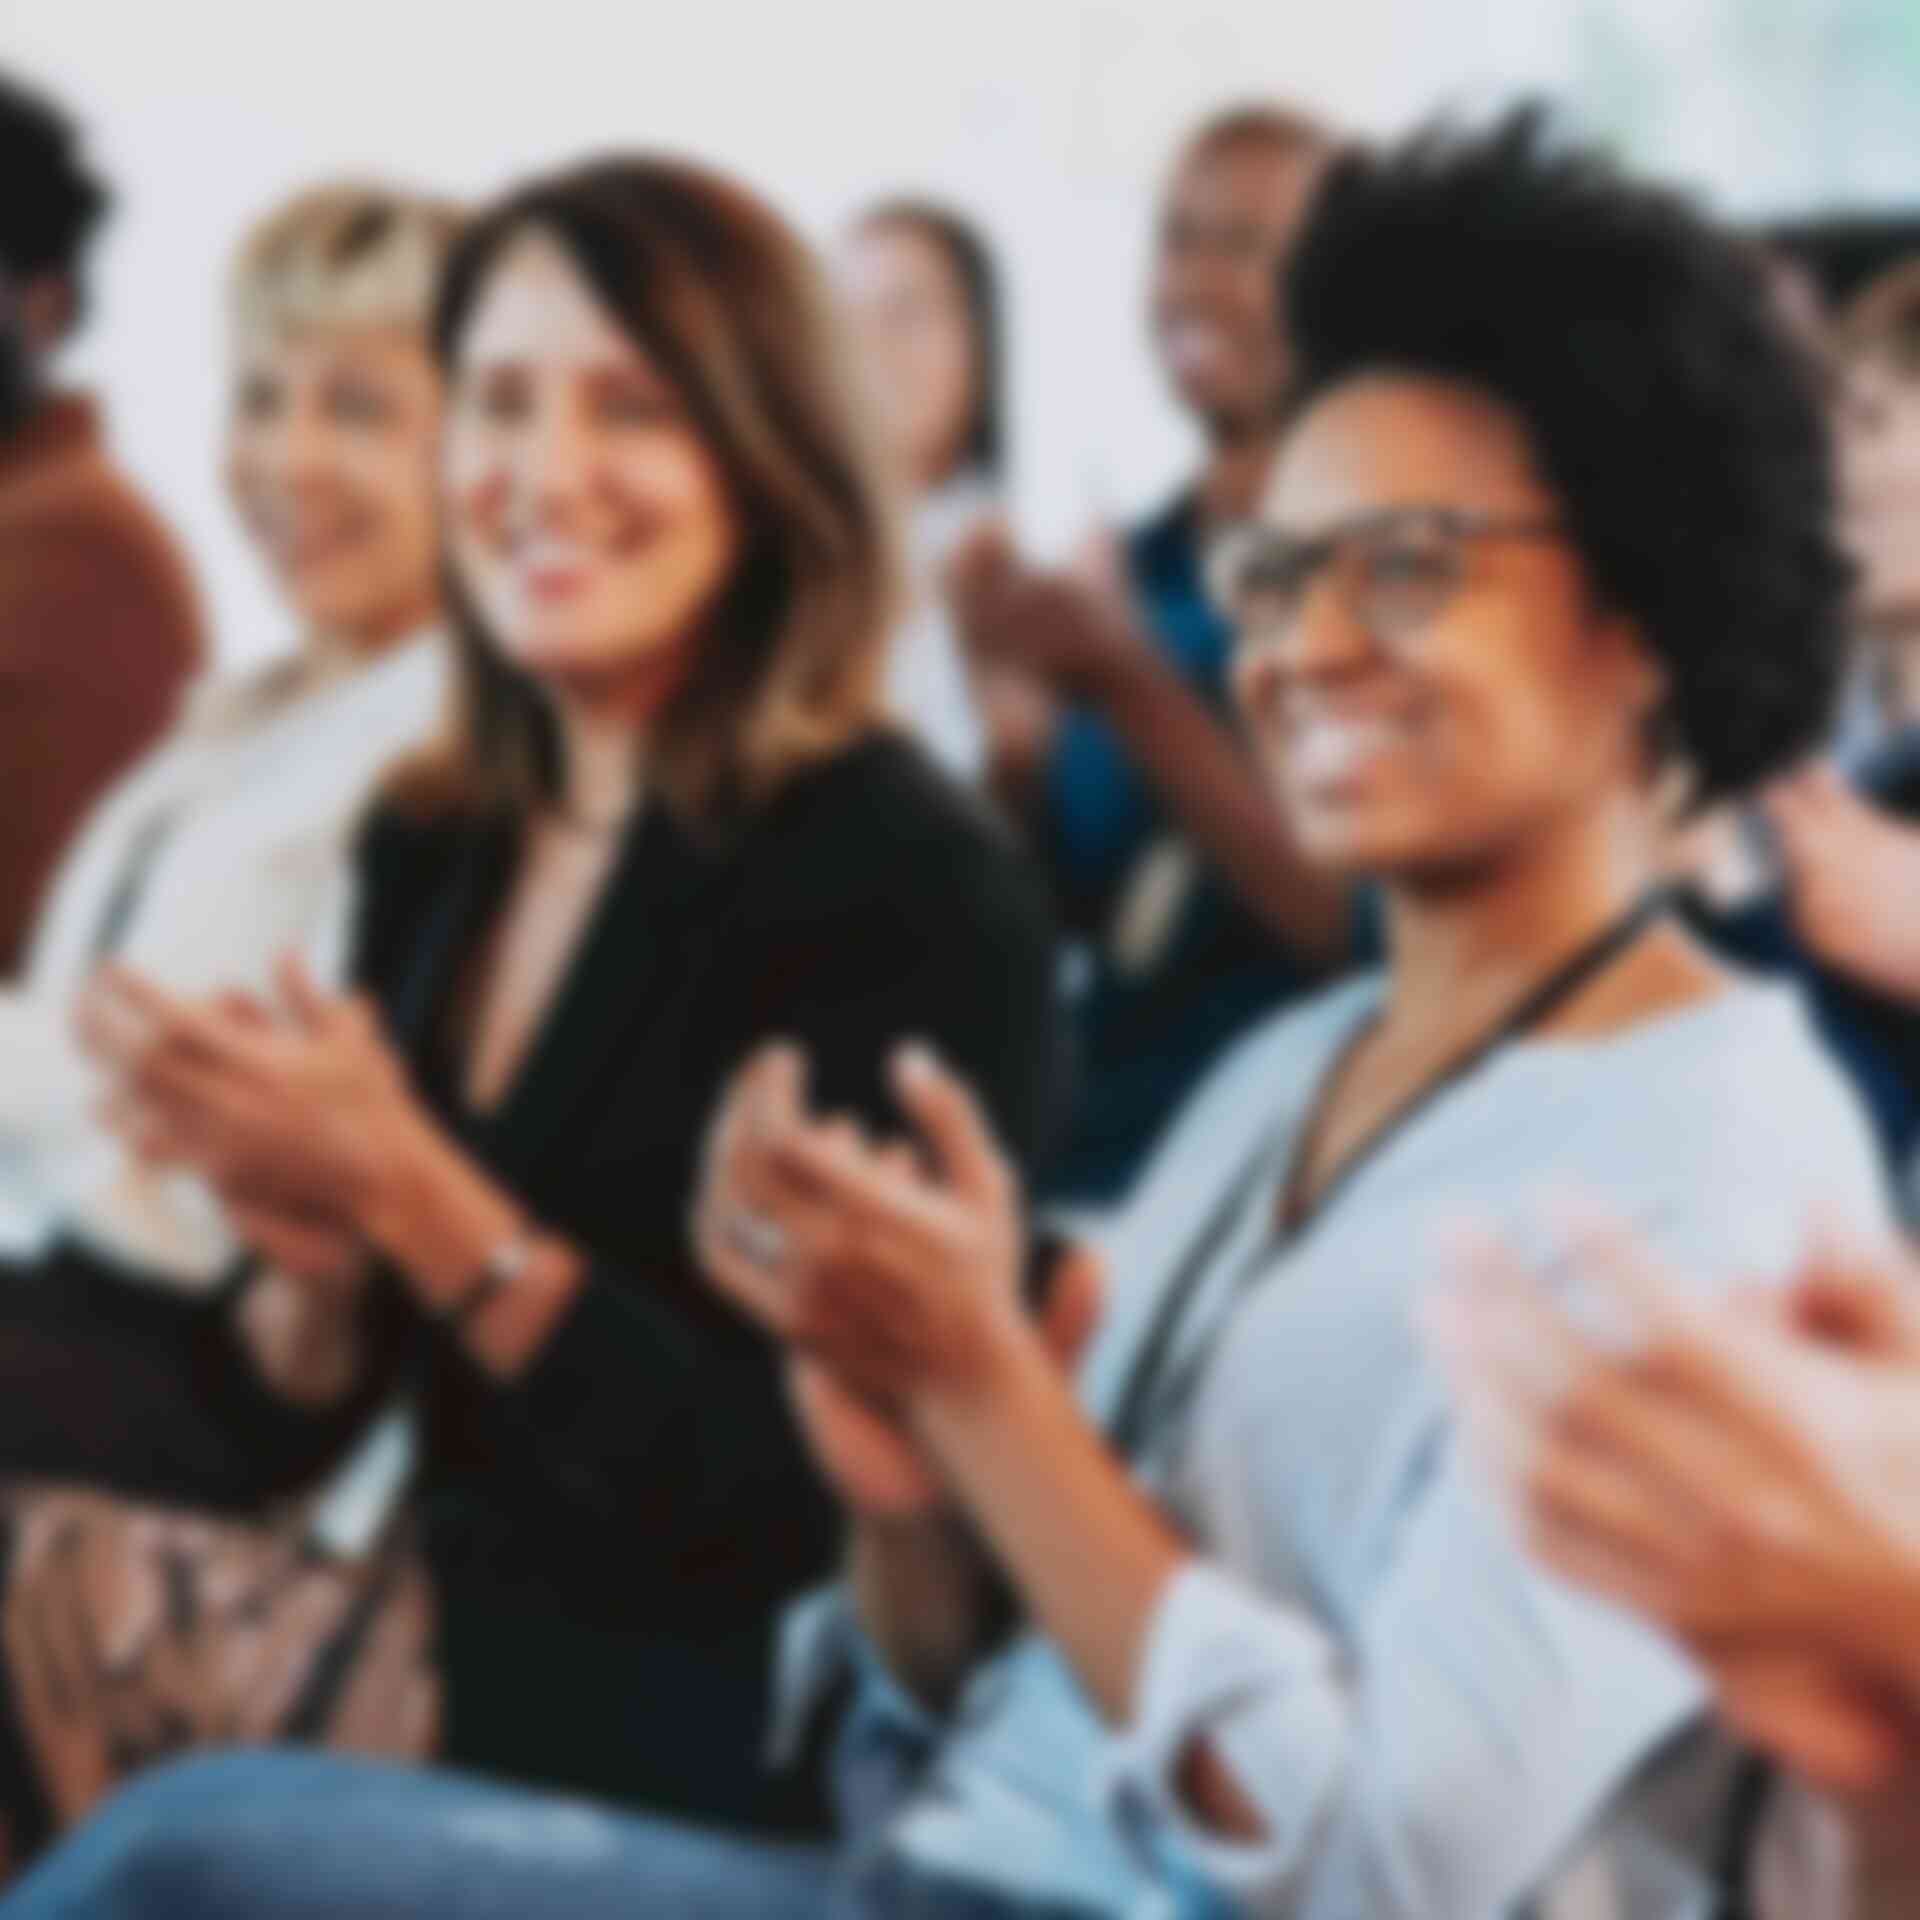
x: 556, y: 457
x: 1326, y: 635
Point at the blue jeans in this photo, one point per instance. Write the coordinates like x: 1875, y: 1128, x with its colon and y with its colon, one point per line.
x: 286, y: 1834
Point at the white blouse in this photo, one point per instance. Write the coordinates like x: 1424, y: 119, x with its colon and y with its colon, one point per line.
x: 1429, y: 1725
x: 221, y: 850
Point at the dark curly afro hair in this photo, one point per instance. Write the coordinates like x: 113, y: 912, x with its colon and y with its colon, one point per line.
x: 1667, y: 407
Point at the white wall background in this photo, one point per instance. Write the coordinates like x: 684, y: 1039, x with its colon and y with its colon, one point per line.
x: 1049, y: 120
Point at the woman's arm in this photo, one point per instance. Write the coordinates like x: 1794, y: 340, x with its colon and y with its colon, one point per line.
x: 1078, y: 639
x: 1398, y: 1772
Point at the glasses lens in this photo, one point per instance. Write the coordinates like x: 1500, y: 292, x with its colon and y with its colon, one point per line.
x: 1406, y: 578
x: 1258, y: 577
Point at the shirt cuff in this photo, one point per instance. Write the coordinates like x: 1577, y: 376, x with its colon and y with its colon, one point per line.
x: 1262, y: 1684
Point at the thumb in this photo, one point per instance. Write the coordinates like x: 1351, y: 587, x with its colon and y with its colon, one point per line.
x: 983, y: 563
x: 305, y: 998
x: 1099, y: 564
x: 1076, y: 1294
x: 947, y: 1113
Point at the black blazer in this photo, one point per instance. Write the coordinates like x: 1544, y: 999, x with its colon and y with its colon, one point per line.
x: 615, y: 1531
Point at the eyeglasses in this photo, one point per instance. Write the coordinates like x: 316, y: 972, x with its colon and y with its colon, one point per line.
x: 1396, y: 570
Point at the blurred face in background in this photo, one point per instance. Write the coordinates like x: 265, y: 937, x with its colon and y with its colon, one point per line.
x: 916, y: 339
x: 1429, y: 701
x: 1229, y: 220
x: 587, y: 520
x: 1879, y: 431
x: 330, y: 462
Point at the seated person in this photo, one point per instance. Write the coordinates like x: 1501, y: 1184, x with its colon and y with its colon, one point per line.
x: 923, y: 293
x: 228, y: 844
x: 1287, y: 1665
x: 99, y: 630
x: 1110, y: 730
x: 668, y: 827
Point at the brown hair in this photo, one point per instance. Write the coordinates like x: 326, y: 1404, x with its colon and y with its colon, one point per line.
x: 730, y: 306
x: 1882, y: 321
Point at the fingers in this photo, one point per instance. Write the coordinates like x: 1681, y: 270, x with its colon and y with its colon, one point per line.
x: 852, y: 1187
x: 1816, y: 1718
x: 1616, y: 1482
x: 303, y: 997
x: 161, y: 1047
x: 1858, y: 1296
x: 867, y: 1456
x: 1075, y: 1297
x: 305, y: 1247
x: 954, y: 1124
x: 982, y: 565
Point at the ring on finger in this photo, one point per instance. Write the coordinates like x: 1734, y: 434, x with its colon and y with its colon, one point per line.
x: 763, y: 1242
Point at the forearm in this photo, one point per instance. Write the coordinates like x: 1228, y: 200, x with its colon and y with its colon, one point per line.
x: 1089, y: 1554
x: 1213, y: 789
x: 435, y: 1217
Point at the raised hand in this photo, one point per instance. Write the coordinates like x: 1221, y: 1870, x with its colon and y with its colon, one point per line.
x: 1748, y: 1479
x: 1853, y: 879
x: 1070, y: 631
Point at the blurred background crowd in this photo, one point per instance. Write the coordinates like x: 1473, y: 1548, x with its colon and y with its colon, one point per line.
x: 980, y: 956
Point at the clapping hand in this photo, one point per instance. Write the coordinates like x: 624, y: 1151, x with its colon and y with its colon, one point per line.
x: 1853, y: 880
x: 1743, y: 1473
x: 289, y: 1111
x: 1068, y: 631
x: 885, y: 1270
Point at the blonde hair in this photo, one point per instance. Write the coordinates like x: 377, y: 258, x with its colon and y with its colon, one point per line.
x: 343, y: 255
x: 339, y: 257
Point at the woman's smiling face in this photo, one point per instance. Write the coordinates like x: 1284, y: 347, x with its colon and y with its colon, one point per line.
x: 1443, y: 683
x: 588, y: 521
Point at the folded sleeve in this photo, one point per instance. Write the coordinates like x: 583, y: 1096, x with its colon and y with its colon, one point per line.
x: 1476, y: 1717
x: 1405, y: 1774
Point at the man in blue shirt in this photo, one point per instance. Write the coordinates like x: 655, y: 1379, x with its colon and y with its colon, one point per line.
x: 1190, y: 910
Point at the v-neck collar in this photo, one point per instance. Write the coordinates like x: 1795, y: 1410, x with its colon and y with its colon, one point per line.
x: 634, y: 941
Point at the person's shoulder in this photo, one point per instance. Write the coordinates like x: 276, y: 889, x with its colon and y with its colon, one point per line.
x: 880, y: 814
x: 398, y: 845
x: 96, y: 509
x: 1740, y: 1103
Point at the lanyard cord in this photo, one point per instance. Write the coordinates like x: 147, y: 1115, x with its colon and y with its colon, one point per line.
x: 1131, y: 1423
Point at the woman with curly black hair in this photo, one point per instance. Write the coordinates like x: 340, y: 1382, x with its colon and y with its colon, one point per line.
x: 1548, y: 541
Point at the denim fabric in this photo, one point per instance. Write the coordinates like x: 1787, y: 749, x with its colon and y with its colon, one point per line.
x: 285, y: 1835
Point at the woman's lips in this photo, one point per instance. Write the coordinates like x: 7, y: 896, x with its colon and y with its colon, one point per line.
x: 1196, y: 348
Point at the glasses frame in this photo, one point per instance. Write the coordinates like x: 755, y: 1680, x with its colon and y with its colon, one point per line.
x: 1339, y: 549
